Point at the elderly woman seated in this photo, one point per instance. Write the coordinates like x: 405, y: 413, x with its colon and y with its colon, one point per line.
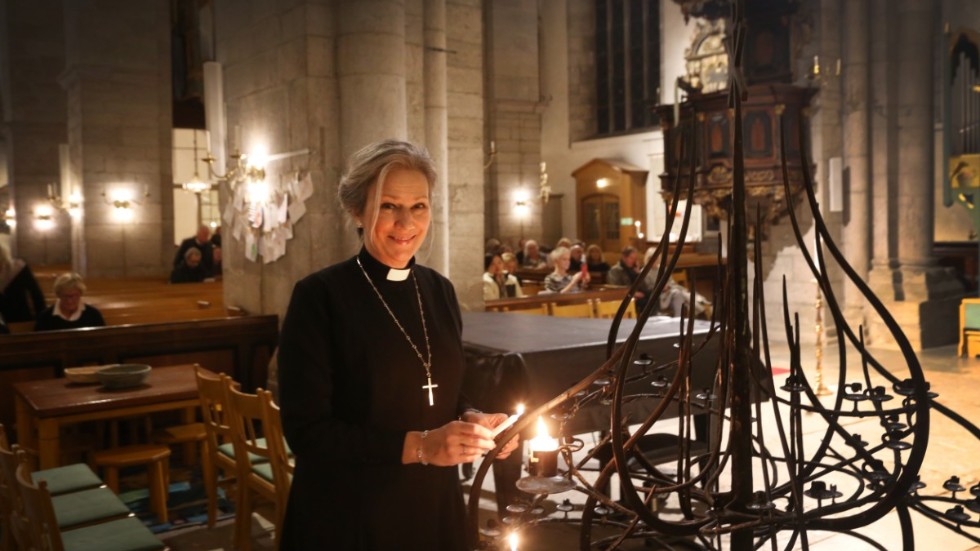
x: 190, y: 269
x: 69, y: 310
x: 675, y: 298
x: 560, y: 281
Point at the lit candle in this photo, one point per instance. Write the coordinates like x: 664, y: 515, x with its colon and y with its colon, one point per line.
x: 512, y: 539
x: 544, y: 452
x: 509, y: 422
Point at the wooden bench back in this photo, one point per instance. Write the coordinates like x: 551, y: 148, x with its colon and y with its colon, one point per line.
x: 240, y: 346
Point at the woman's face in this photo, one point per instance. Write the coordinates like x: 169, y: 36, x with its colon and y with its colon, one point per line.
x: 69, y: 301
x: 403, y: 217
x: 496, y: 266
x: 562, y: 262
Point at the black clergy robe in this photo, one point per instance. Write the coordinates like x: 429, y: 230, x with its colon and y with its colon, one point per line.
x: 350, y: 388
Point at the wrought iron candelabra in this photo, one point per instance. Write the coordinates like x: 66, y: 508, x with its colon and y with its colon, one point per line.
x: 745, y: 483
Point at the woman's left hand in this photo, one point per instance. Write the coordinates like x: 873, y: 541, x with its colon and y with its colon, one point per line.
x: 491, y: 420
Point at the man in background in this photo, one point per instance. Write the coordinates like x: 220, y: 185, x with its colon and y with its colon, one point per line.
x: 201, y: 242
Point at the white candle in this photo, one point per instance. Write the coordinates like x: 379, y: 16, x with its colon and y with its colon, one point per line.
x: 543, y: 442
x: 512, y: 539
x: 509, y: 422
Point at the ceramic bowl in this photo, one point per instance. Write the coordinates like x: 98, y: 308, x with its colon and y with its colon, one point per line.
x: 123, y: 375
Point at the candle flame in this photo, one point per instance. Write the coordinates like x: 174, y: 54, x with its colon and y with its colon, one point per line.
x: 520, y: 409
x: 542, y: 429
x: 512, y: 539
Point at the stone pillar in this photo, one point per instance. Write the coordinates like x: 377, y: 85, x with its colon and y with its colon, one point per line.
x: 437, y: 127
x: 371, y: 71
x: 854, y: 104
x: 33, y: 125
x: 922, y: 296
x: 883, y: 130
x: 119, y: 131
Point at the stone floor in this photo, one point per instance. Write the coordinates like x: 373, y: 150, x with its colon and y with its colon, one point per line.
x: 951, y: 451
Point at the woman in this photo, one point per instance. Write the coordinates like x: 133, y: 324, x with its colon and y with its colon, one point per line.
x: 21, y: 298
x: 496, y: 282
x: 594, y: 259
x: 190, y: 269
x: 560, y: 281
x: 532, y: 259
x: 69, y: 310
x: 370, y: 368
x: 510, y: 266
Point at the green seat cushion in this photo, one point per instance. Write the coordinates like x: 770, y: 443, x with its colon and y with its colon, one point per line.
x: 264, y: 470
x: 70, y: 478
x: 971, y: 316
x: 229, y: 449
x: 87, y: 506
x: 126, y: 534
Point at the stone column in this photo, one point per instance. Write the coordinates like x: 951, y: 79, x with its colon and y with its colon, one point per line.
x: 437, y: 127
x: 33, y: 125
x: 119, y: 126
x: 922, y: 296
x: 854, y: 105
x: 883, y: 131
x: 371, y: 71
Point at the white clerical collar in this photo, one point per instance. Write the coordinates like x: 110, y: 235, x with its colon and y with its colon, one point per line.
x: 395, y: 274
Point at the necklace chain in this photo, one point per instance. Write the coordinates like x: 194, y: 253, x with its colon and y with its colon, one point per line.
x: 427, y: 364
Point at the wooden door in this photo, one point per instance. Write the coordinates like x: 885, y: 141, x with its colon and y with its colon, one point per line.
x: 600, y: 217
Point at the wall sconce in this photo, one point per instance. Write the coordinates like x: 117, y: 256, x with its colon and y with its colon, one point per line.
x: 602, y: 183
x: 122, y: 202
x: 816, y: 71
x: 492, y: 156
x: 241, y: 170
x: 639, y: 230
x: 545, y: 188
x: 9, y: 218
x: 73, y: 205
x: 44, y: 218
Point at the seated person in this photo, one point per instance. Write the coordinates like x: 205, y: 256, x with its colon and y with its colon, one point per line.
x: 190, y: 270
x: 674, y: 298
x: 594, y: 260
x: 532, y: 256
x: 69, y: 310
x: 510, y: 266
x: 497, y: 283
x: 578, y: 256
x: 560, y: 281
x: 625, y: 272
x: 201, y: 242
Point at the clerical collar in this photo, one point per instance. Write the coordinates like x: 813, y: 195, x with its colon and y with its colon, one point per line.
x: 378, y: 270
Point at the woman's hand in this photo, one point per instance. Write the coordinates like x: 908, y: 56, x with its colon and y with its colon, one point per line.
x: 490, y: 421
x: 456, y: 442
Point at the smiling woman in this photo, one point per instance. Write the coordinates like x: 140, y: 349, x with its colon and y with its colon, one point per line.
x: 370, y: 369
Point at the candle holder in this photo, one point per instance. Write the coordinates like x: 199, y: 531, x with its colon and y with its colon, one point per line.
x: 543, y: 463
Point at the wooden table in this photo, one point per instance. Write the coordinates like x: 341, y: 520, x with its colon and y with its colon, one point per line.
x: 43, y: 406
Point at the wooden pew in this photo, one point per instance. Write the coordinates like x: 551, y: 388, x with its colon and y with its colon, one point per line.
x: 512, y: 304
x: 240, y: 346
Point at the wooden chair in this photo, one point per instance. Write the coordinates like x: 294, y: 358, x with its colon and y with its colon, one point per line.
x: 282, y: 462
x: 607, y: 309
x: 37, y: 520
x: 213, y: 392
x: 247, y: 417
x: 157, y: 461
x: 581, y: 310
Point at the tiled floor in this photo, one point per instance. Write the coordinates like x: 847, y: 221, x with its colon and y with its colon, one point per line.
x: 951, y: 451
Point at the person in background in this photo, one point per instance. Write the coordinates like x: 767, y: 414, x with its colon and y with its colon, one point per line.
x: 578, y: 256
x: 190, y: 270
x: 625, y: 272
x: 492, y: 246
x: 21, y: 298
x: 496, y: 282
x: 521, y: 243
x: 594, y: 260
x: 201, y: 242
x: 370, y: 370
x: 560, y: 281
x: 510, y: 266
x: 674, y: 298
x: 532, y: 256
x: 69, y: 310
x: 216, y: 237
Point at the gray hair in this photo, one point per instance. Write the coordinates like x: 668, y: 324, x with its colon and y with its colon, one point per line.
x: 372, y: 164
x: 193, y: 251
x: 68, y: 281
x: 557, y: 253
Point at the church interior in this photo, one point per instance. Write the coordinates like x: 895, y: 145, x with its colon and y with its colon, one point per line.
x: 807, y: 168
